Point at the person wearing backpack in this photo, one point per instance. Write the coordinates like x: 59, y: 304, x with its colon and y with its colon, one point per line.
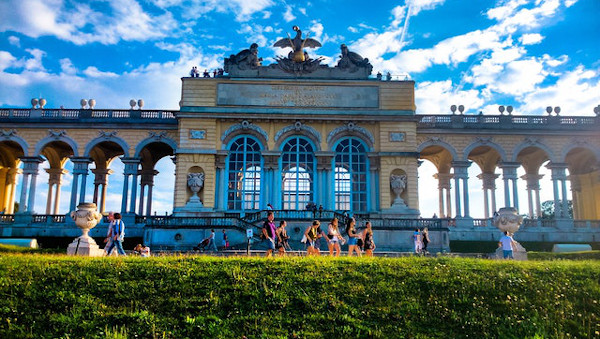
x: 269, y: 233
x: 117, y: 234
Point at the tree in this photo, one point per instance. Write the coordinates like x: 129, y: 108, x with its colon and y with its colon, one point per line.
x: 548, y: 209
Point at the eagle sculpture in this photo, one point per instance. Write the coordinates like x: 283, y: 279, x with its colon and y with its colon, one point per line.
x: 297, y: 44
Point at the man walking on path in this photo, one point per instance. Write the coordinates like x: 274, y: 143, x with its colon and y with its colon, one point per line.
x: 117, y: 234
x: 508, y: 244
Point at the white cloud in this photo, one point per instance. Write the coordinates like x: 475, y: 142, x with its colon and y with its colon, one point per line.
x: 352, y: 29
x: 398, y: 13
x: 437, y: 97
x: 15, y: 41
x: 67, y: 67
x: 6, y: 60
x: 287, y: 15
x: 531, y: 39
x: 423, y: 5
x: 125, y: 20
x: 94, y: 72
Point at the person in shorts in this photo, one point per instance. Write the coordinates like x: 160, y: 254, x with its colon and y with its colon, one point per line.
x: 508, y: 245
x: 269, y: 232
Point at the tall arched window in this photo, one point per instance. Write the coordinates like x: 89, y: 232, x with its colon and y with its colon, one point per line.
x: 244, y: 174
x: 298, y: 165
x: 350, y: 174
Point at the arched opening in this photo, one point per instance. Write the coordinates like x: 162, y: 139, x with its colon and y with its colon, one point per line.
x: 298, y: 165
x: 351, y: 176
x: 244, y: 168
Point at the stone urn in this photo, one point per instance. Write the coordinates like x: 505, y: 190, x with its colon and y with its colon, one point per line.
x: 195, y: 183
x: 86, y: 217
x: 508, y: 220
x: 398, y: 184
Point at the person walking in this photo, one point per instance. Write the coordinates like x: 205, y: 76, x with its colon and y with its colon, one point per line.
x: 352, y: 238
x: 108, y: 239
x: 211, y: 241
x: 282, y: 238
x: 508, y: 245
x: 425, y: 239
x: 368, y: 240
x: 335, y: 238
x: 117, y: 234
x: 225, y: 241
x: 269, y: 232
x: 313, y: 233
x: 418, y: 242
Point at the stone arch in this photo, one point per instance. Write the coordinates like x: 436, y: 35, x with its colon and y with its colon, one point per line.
x: 438, y: 142
x: 578, y: 144
x: 155, y: 138
x: 298, y: 129
x: 530, y: 142
x: 56, y: 136
x: 351, y: 130
x: 11, y: 135
x: 110, y: 137
x: 481, y: 141
x: 244, y: 128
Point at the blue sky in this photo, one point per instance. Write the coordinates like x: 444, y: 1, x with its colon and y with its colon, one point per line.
x: 528, y: 54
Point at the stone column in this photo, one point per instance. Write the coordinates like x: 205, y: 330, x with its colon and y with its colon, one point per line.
x: 131, y: 170
x: 221, y: 191
x: 3, y: 189
x: 374, y: 169
x: 533, y: 186
x: 271, y: 164
x: 11, y: 182
x: 488, y: 181
x: 575, y: 192
x: 54, y: 179
x: 558, y: 177
x: 324, y: 160
x: 509, y: 175
x: 444, y: 184
x: 147, y: 180
x: 30, y: 172
x: 101, y: 180
x: 461, y: 173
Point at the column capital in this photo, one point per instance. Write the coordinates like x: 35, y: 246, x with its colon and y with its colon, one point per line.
x: 509, y: 169
x: 461, y: 169
x: 558, y: 170
x: 80, y: 165
x: 31, y: 164
x: 575, y: 182
x: 271, y: 159
x: 488, y: 180
x: 533, y: 181
x: 374, y: 161
x: 324, y: 160
x: 101, y: 175
x: 220, y: 158
x: 55, y: 175
x: 147, y: 177
x: 131, y: 165
x: 444, y: 180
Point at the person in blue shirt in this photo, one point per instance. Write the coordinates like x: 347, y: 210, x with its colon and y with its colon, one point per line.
x: 117, y: 234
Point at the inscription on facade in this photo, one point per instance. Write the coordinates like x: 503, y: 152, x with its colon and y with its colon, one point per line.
x: 298, y: 96
x: 397, y: 137
x: 197, y: 134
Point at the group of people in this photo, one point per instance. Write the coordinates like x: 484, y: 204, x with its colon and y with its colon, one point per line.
x: 277, y: 238
x: 211, y: 243
x: 195, y: 73
x: 421, y: 240
x: 115, y: 236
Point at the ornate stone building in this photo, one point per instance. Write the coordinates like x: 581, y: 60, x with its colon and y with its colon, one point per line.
x: 296, y: 134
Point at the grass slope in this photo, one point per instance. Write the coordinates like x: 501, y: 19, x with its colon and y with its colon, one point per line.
x: 197, y: 297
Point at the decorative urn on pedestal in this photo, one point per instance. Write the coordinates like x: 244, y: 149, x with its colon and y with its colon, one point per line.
x: 508, y: 220
x: 86, y: 217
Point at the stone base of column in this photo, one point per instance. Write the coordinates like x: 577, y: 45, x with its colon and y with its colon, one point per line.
x: 84, y: 246
x: 519, y: 253
x: 400, y: 211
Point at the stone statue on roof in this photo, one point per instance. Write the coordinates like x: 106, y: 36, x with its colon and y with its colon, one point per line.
x: 297, y: 44
x: 245, y: 59
x: 352, y: 61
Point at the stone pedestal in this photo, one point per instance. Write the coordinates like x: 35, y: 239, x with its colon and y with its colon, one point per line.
x: 86, y: 217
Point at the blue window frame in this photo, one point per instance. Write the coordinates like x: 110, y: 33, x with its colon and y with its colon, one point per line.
x: 244, y: 174
x: 298, y: 165
x: 350, y: 176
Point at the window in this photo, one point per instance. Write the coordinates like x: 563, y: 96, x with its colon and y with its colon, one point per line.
x: 350, y: 175
x: 297, y: 163
x: 244, y: 174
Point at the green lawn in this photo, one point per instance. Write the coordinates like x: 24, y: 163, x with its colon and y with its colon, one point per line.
x: 57, y: 296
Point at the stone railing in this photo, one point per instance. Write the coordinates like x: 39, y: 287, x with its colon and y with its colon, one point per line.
x: 73, y: 114
x: 48, y: 219
x: 7, y: 218
x: 292, y: 215
x: 507, y: 122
